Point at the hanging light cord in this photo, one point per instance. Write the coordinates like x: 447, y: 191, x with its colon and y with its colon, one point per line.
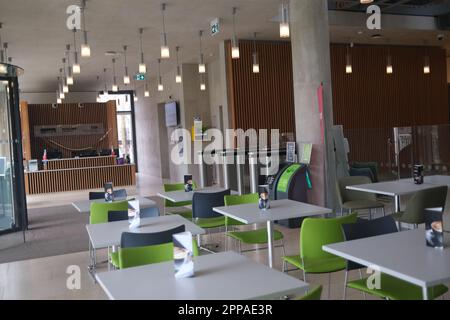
x: 178, y: 62
x: 201, y: 46
x: 163, y: 8
x: 234, y: 21
x: 75, y: 40
x: 104, y: 78
x: 140, y: 36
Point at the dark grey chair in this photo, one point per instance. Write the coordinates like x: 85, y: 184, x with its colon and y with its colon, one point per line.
x: 132, y: 240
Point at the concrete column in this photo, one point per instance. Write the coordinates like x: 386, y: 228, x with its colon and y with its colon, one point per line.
x: 311, y: 65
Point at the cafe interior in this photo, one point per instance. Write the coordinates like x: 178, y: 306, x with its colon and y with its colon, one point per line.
x: 275, y: 149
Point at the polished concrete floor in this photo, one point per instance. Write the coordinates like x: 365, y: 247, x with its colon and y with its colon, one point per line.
x: 50, y: 277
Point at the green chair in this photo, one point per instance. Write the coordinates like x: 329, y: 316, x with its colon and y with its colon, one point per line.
x: 314, y: 234
x: 415, y: 208
x: 314, y: 294
x: 253, y: 237
x: 185, y: 213
x: 357, y: 200
x: 99, y: 210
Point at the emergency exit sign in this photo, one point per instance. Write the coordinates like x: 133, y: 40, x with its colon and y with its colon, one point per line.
x: 215, y: 26
x: 139, y: 77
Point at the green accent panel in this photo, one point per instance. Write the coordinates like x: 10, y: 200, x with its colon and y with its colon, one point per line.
x: 209, y: 223
x: 315, y: 294
x: 176, y: 187
x: 308, y: 180
x: 283, y: 183
x: 307, y: 152
x: 254, y: 236
x: 99, y: 210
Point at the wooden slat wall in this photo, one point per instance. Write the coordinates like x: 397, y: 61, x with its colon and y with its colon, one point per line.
x: 81, y: 163
x: 25, y: 126
x: 79, y: 179
x: 65, y: 114
x: 264, y: 100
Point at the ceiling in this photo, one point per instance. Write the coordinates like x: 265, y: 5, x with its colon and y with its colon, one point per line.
x: 37, y: 35
x: 408, y: 7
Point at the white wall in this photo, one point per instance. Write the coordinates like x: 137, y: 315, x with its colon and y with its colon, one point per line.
x: 50, y: 97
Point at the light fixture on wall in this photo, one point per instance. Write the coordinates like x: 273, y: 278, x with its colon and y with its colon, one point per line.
x: 85, y: 48
x: 69, y: 68
x: 178, y: 77
x: 165, y: 51
x: 201, y: 63
x: 285, y: 31
x: 126, y: 77
x: 202, y: 82
x: 115, y: 87
x: 234, y: 41
x: 389, y: 66
x: 348, y: 60
x: 142, y: 65
x: 76, y: 68
x: 62, y: 72
x: 256, y: 68
x: 160, y: 84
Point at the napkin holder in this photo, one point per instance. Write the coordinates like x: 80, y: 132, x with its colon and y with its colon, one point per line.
x: 183, y: 255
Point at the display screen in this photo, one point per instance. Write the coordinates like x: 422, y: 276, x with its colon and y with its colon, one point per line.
x: 171, y: 114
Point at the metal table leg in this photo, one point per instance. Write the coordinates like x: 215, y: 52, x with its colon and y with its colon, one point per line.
x: 425, y: 293
x: 270, y: 242
x: 397, y: 203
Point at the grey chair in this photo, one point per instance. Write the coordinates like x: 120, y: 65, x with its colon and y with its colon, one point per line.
x: 352, y: 201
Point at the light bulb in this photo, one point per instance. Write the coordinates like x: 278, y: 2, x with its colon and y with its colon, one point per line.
x: 389, y: 69
x: 147, y: 93
x: 178, y: 79
x: 76, y: 69
x: 202, y: 68
x: 426, y: 70
x: 256, y: 68
x: 126, y: 80
x: 65, y: 88
x: 203, y: 87
x: 69, y: 80
x: 3, y: 69
x: 235, y: 53
x: 284, y: 30
x: 58, y: 101
x: 115, y: 88
x: 348, y: 69
x: 165, y: 52
x: 62, y: 95
x: 142, y: 68
x: 85, y: 50
x: 160, y: 87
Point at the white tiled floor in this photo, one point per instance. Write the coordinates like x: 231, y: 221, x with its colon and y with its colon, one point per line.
x: 46, y: 278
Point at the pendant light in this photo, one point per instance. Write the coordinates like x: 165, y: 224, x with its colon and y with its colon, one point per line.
x: 178, y: 77
x: 255, y: 56
x: 63, y: 77
x: 5, y: 51
x: 165, y: 51
x: 202, y: 82
x: 201, y: 64
x: 146, y: 92
x: 115, y: 87
x: 99, y: 99
x: 105, y: 92
x: 234, y: 41
x: 76, y: 68
x: 284, y: 23
x: 85, y: 48
x: 58, y: 98
x: 160, y: 84
x: 142, y: 65
x: 126, y: 77
x: 348, y: 60
x: 389, y: 66
x: 69, y: 69
x: 62, y: 96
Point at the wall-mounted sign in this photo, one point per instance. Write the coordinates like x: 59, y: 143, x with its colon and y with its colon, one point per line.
x: 215, y: 26
x: 139, y: 77
x: 69, y: 130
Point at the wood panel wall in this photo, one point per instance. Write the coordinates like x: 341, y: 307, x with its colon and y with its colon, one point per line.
x: 81, y: 163
x: 264, y: 100
x: 25, y: 127
x: 79, y: 179
x: 65, y: 114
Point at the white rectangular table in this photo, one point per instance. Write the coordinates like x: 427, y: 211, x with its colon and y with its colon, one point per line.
x: 84, y: 206
x: 401, y: 187
x: 279, y: 210
x: 107, y: 235
x: 182, y: 196
x: 221, y: 276
x: 403, y: 255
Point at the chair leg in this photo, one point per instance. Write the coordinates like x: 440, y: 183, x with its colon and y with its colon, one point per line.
x: 329, y: 286
x: 283, y: 268
x: 361, y: 277
x: 384, y: 212
x: 304, y: 275
x: 283, y: 248
x: 240, y: 247
x: 345, y: 285
x: 342, y: 212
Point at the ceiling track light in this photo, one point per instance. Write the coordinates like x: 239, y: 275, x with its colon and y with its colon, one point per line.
x: 235, y: 54
x: 165, y: 50
x: 178, y: 77
x: 142, y: 65
x: 160, y: 84
x: 255, y: 67
x: 76, y: 68
x: 201, y: 63
x: 69, y: 69
x: 284, y: 22
x: 85, y: 48
x: 115, y: 87
x: 126, y: 77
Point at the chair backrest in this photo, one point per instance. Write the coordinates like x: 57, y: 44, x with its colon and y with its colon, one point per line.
x: 234, y: 200
x: 169, y: 187
x: 318, y: 232
x: 139, y: 256
x: 314, y: 294
x: 96, y: 195
x: 132, y: 240
x: 365, y: 229
x: 346, y: 195
x: 203, y: 204
x: 114, y: 216
x: 99, y: 210
x: 372, y: 166
x: 430, y: 198
x: 151, y: 212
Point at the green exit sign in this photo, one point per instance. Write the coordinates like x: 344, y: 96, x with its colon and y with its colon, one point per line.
x: 215, y: 26
x: 139, y: 77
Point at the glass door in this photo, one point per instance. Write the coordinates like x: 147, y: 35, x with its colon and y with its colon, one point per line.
x: 7, y: 214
